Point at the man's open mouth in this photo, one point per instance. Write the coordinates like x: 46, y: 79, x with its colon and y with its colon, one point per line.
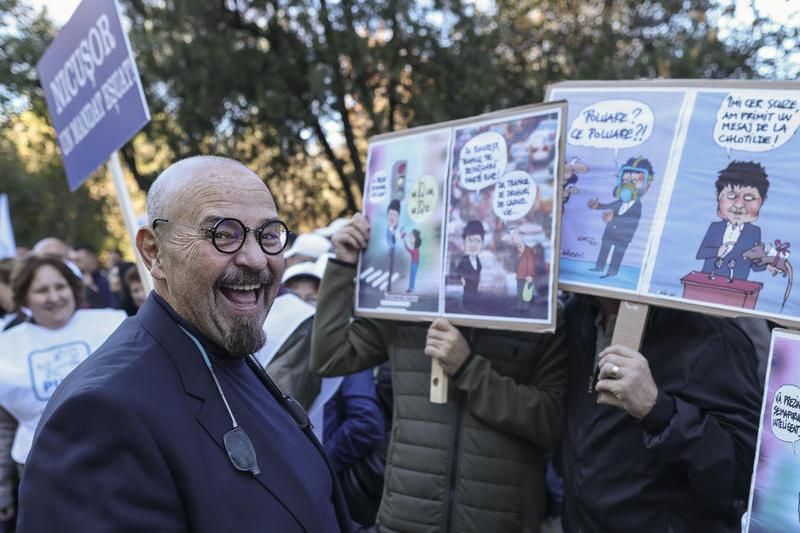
x: 243, y: 295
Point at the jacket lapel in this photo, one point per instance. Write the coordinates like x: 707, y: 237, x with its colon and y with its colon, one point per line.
x: 276, y: 478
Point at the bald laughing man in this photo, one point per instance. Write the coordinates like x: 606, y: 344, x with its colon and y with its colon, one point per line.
x: 171, y: 425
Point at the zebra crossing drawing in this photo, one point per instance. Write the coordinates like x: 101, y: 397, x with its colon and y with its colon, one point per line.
x: 378, y: 278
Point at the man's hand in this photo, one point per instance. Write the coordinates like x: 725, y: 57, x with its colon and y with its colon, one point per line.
x: 351, y: 239
x: 593, y: 203
x: 608, y: 216
x: 446, y: 344
x: 626, y: 381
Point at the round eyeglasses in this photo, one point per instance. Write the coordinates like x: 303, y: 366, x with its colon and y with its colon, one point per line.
x: 228, y: 234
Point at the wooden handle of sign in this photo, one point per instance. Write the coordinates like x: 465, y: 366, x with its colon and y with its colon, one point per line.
x: 438, y: 383
x: 631, y: 319
x: 628, y: 331
x: 124, y: 198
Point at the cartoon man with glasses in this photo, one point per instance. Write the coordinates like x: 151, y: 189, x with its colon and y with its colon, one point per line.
x: 741, y: 191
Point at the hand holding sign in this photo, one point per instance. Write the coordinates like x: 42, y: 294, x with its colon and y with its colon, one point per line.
x: 625, y: 381
x: 446, y: 344
x: 351, y: 239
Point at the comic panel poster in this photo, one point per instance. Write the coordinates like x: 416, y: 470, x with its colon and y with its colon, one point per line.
x: 464, y: 220
x: 616, y: 159
x: 400, y: 269
x: 501, y: 223
x: 775, y: 488
x: 731, y: 223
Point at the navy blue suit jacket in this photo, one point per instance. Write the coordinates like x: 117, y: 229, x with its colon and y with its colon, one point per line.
x: 620, y: 229
x: 132, y: 441
x: 713, y: 240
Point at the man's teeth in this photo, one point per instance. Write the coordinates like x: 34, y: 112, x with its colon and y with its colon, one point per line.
x: 242, y: 287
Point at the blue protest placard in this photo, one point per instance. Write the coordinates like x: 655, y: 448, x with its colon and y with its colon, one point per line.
x: 92, y: 88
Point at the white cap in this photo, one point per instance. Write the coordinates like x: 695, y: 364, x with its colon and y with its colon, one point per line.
x: 332, y: 228
x: 309, y: 244
x: 307, y: 268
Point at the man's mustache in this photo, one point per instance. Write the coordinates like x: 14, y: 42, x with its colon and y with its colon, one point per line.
x: 246, y: 277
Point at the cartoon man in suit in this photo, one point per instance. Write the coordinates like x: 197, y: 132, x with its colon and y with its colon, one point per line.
x: 469, y: 266
x: 392, y: 218
x: 741, y: 191
x: 622, y: 217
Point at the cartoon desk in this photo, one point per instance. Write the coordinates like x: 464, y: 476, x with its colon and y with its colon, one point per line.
x: 721, y: 290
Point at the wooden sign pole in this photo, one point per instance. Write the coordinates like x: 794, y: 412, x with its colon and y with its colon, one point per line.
x: 628, y: 330
x: 438, y: 383
x: 631, y: 319
x: 124, y: 198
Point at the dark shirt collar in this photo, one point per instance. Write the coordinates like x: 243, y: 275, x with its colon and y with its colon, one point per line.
x: 217, y: 353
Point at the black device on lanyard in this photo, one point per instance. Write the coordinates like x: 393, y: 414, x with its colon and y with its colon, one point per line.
x: 237, y: 444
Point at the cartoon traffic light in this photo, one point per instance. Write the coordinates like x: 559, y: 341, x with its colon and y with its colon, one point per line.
x: 399, y: 179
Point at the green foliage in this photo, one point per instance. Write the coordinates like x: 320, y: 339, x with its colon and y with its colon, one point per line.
x: 294, y: 88
x: 41, y: 204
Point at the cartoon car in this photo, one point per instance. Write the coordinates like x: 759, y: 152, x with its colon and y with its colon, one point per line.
x: 542, y: 141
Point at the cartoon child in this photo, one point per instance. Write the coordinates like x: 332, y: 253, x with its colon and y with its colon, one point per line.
x: 741, y: 191
x: 392, y: 218
x: 469, y: 266
x: 622, y: 217
x: 526, y: 270
x: 412, y: 244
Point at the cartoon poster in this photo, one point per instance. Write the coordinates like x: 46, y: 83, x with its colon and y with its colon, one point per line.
x: 500, y: 226
x: 617, y: 154
x: 727, y: 235
x: 775, y: 488
x: 699, y: 213
x: 404, y: 202
x: 464, y: 220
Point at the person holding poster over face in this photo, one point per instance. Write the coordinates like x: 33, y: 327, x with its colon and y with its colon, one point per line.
x: 503, y: 410
x: 662, y: 439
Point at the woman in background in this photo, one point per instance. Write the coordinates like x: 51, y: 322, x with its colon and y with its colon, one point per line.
x: 37, y: 355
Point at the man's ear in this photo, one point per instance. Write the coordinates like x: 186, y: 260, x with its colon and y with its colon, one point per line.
x: 150, y: 250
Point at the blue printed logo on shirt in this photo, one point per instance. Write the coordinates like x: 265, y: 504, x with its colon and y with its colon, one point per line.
x: 49, y: 366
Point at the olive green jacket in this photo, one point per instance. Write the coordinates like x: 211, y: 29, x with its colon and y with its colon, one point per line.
x: 475, y: 464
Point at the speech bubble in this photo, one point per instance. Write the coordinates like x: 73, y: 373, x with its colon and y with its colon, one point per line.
x: 785, y: 419
x: 379, y: 187
x: 752, y: 122
x: 423, y: 198
x: 514, y: 195
x: 612, y: 124
x: 482, y: 160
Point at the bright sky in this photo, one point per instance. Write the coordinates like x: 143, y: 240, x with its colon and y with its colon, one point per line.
x: 59, y: 10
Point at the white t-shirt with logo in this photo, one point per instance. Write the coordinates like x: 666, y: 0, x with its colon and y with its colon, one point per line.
x: 34, y: 360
